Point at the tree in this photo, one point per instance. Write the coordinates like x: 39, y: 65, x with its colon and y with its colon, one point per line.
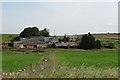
x: 83, y: 43
x: 87, y: 41
x: 98, y: 44
x: 91, y: 41
x: 34, y: 31
x: 28, y: 32
x: 44, y: 32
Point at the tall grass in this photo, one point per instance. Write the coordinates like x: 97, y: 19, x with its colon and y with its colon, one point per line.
x: 66, y: 72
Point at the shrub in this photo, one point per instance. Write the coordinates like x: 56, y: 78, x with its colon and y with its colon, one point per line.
x: 98, y: 44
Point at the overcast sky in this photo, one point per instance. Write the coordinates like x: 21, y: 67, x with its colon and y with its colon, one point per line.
x: 63, y: 17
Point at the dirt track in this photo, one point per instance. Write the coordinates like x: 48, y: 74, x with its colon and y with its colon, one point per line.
x: 49, y: 68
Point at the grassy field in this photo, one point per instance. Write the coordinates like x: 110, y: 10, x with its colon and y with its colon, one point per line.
x: 67, y: 57
x: 63, y: 63
x: 0, y: 61
x: 13, y: 62
x: 97, y: 58
x: 7, y: 37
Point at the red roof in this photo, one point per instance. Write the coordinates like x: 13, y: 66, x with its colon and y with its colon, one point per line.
x: 71, y: 43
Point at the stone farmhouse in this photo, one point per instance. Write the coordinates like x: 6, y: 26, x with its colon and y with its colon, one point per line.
x: 43, y: 42
x: 34, y: 42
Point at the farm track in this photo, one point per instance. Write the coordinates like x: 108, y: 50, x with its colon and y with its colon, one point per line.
x: 48, y: 67
x: 49, y: 62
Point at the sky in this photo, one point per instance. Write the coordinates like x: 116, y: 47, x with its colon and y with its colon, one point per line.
x: 60, y: 0
x: 63, y: 17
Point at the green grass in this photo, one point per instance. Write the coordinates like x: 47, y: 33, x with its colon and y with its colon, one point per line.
x: 118, y: 45
x: 63, y: 63
x: 96, y: 58
x: 7, y: 37
x: 13, y: 62
x: 0, y: 61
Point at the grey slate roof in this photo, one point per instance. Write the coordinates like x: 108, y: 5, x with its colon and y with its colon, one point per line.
x: 51, y: 39
x: 31, y: 41
x: 61, y: 44
x: 36, y: 40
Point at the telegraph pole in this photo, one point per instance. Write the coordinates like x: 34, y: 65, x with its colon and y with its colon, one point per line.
x: 54, y: 32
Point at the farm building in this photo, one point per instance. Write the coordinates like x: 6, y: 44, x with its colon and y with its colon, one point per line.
x: 33, y: 42
x: 72, y: 37
x: 40, y: 41
x: 66, y: 44
x: 61, y: 45
x: 72, y: 44
x: 51, y: 40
